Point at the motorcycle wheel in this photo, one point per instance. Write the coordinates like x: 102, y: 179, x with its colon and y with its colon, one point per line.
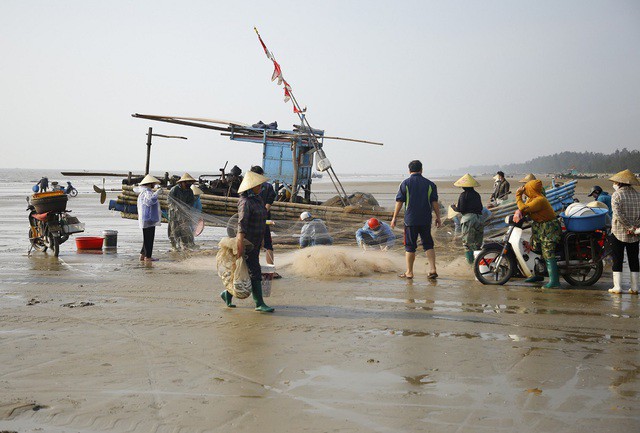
x: 36, y: 243
x: 485, y: 268
x: 584, y: 276
x: 73, y: 192
x: 54, y: 244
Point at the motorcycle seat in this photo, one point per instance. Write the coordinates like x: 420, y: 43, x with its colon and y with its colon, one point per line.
x: 41, y: 216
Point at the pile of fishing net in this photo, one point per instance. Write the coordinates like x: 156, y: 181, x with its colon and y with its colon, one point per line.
x: 359, y: 200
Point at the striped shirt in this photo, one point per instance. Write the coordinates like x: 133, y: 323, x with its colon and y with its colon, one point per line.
x: 625, y: 203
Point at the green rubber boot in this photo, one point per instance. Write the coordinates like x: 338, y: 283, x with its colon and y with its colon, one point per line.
x: 256, y: 292
x: 226, y: 297
x: 469, y: 256
x: 534, y: 279
x: 554, y: 275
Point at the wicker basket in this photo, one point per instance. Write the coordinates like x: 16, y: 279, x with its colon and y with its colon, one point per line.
x: 49, y: 202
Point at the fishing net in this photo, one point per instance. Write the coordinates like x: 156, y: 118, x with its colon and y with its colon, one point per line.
x: 191, y: 223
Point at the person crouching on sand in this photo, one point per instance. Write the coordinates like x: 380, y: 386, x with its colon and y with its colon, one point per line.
x: 420, y: 198
x: 375, y: 233
x: 149, y: 215
x: 252, y: 221
x: 472, y: 223
x: 313, y: 232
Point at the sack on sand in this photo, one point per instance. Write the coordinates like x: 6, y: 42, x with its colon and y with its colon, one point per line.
x: 233, y: 270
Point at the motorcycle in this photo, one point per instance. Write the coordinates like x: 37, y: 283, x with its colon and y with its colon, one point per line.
x: 69, y: 189
x: 580, y: 257
x: 50, y: 229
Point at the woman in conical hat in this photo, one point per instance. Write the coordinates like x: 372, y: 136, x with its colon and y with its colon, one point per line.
x: 470, y: 206
x: 149, y: 180
x: 252, y: 218
x: 187, y: 178
x: 466, y: 181
x: 149, y: 215
x: 527, y: 178
x: 180, y: 200
x: 625, y: 228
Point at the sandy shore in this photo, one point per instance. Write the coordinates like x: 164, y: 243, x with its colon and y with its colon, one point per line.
x: 156, y: 351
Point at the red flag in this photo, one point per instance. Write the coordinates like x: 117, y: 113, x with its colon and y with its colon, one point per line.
x: 295, y: 109
x: 269, y: 55
x: 286, y: 85
x: 277, y: 72
x: 287, y: 95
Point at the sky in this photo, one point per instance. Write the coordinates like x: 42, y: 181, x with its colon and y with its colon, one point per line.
x: 452, y: 83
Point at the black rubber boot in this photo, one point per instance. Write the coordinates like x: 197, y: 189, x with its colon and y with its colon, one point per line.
x: 226, y: 297
x: 256, y: 292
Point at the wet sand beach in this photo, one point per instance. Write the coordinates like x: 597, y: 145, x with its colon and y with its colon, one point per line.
x: 101, y: 343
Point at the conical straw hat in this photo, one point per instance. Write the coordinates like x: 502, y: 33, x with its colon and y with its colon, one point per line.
x: 251, y: 180
x: 527, y: 178
x: 186, y: 178
x: 598, y: 204
x: 451, y: 213
x: 148, y: 179
x: 196, y: 190
x: 625, y: 176
x: 496, y: 177
x: 466, y: 181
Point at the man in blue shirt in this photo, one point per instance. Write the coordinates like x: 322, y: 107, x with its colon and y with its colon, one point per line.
x: 420, y: 197
x: 599, y: 195
x: 375, y: 233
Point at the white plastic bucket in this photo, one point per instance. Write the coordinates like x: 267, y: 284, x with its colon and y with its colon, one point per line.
x: 267, y: 277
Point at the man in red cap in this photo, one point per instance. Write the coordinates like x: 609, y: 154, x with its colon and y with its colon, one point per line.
x: 375, y: 233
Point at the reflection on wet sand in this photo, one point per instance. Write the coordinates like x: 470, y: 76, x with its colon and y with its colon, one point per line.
x: 461, y: 307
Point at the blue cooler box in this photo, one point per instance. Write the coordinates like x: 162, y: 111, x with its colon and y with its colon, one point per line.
x: 586, y: 223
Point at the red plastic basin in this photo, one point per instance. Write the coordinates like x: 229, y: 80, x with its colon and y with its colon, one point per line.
x: 89, y: 242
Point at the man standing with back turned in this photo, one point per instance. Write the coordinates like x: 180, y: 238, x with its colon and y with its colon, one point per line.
x: 420, y: 198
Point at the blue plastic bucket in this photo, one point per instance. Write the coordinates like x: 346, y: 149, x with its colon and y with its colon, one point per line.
x: 586, y: 223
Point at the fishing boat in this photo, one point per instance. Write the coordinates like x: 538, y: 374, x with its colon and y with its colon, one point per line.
x: 289, y: 157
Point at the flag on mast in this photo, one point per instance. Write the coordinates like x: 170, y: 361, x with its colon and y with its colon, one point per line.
x: 277, y: 75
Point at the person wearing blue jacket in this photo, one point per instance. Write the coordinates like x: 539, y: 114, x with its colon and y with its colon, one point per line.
x: 375, y: 233
x: 603, y: 197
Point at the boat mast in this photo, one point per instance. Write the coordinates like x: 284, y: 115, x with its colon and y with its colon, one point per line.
x: 305, y: 123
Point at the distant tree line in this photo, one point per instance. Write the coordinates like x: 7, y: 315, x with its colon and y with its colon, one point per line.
x: 563, y: 162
